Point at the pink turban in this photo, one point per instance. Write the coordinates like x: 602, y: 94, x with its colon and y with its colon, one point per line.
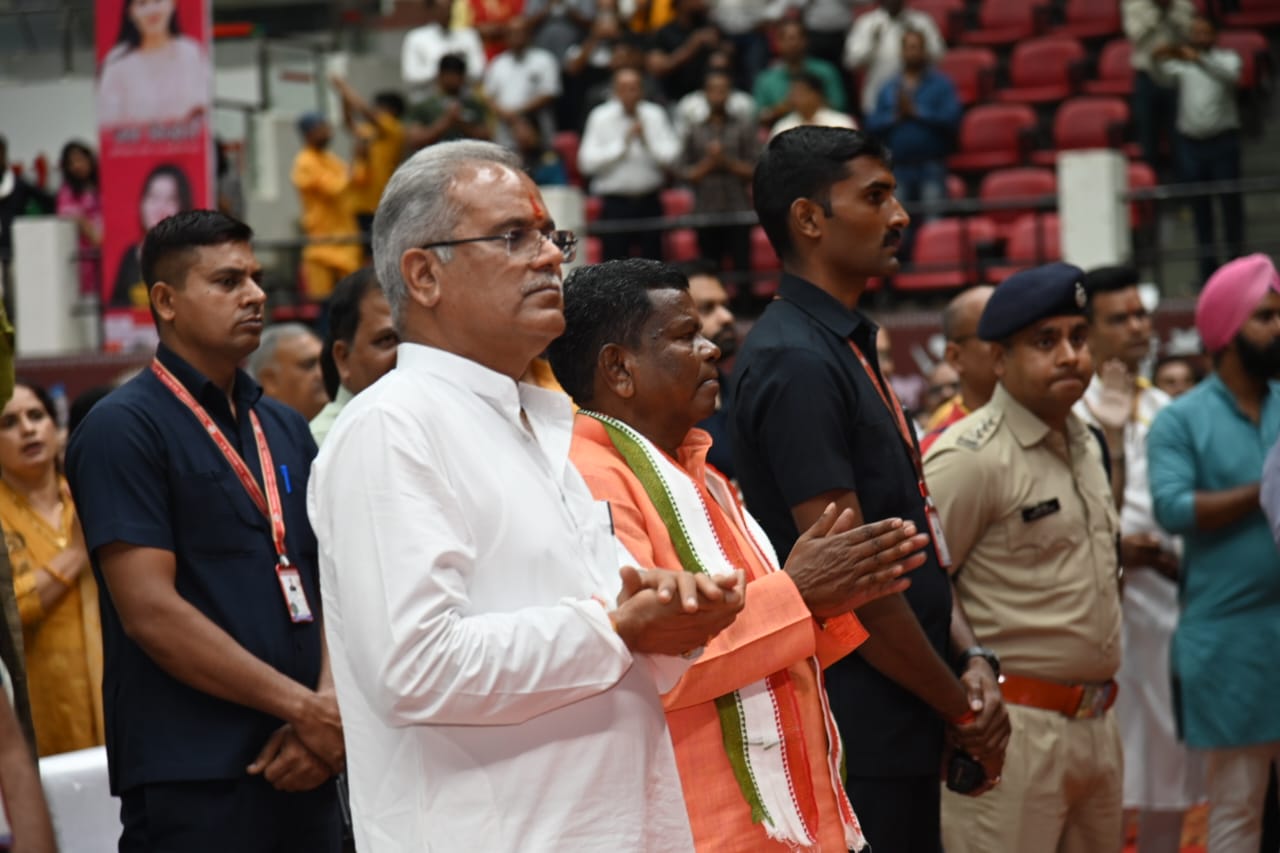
x: 1230, y: 296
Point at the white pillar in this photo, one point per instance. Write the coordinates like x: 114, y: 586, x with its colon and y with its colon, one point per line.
x: 567, y: 206
x: 1093, y: 217
x: 46, y: 288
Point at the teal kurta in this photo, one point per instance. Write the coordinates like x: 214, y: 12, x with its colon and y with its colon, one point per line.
x: 1227, y: 645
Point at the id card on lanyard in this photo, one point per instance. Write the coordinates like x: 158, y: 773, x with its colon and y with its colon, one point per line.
x: 890, y: 400
x: 268, y: 503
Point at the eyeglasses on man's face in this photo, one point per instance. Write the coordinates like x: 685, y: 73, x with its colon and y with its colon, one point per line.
x: 524, y: 243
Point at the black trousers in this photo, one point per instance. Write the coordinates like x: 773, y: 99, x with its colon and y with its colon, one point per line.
x: 646, y: 244
x: 898, y: 814
x: 243, y: 815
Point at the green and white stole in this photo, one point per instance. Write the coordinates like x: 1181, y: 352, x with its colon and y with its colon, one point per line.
x: 772, y: 771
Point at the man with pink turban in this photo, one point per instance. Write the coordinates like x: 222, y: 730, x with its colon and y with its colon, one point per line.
x: 1205, y: 453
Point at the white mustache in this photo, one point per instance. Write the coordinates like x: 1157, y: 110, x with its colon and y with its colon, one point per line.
x: 550, y: 279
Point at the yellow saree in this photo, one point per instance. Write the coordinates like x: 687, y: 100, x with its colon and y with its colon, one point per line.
x: 64, y: 644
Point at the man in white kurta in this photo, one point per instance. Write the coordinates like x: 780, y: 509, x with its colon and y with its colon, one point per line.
x: 490, y: 696
x: 1161, y: 777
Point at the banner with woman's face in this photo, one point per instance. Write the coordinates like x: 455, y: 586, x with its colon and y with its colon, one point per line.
x: 154, y: 102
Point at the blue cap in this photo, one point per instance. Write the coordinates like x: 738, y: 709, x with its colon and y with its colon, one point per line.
x: 308, y: 122
x: 1053, y: 290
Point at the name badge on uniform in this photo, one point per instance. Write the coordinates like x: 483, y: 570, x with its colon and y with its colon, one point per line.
x: 295, y: 596
x: 1040, y: 510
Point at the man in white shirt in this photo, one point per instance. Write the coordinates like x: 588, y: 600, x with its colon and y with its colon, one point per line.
x: 627, y: 147
x: 522, y: 80
x: 1208, y: 139
x: 810, y: 107
x: 493, y: 694
x: 1151, y: 25
x: 875, y: 44
x: 1162, y: 778
x: 424, y: 46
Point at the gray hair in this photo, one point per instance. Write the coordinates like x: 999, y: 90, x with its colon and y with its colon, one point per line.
x: 271, y: 339
x: 417, y: 208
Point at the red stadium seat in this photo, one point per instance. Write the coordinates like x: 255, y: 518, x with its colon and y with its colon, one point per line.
x: 1004, y: 22
x: 992, y: 136
x: 1255, y: 13
x: 566, y: 145
x: 594, y: 253
x: 1089, y: 19
x: 677, y: 201
x: 946, y: 14
x: 1087, y: 122
x: 763, y: 260
x: 972, y: 70
x: 1141, y: 213
x: 1016, y: 183
x: 1115, y: 71
x: 1033, y: 240
x: 1253, y: 50
x: 946, y: 254
x: 1043, y: 70
x: 594, y: 205
x: 681, y: 244
x: 956, y: 187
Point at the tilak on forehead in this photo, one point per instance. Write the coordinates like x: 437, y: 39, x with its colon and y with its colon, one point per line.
x: 536, y: 204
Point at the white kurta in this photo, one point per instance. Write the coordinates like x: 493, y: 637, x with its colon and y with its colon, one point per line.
x: 1159, y: 772
x: 487, y: 704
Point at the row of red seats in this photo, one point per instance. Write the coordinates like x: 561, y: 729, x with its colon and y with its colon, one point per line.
x: 1006, y: 22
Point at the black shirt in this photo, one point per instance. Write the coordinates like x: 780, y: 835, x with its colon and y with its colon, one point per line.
x: 143, y: 471
x: 688, y: 77
x: 805, y: 420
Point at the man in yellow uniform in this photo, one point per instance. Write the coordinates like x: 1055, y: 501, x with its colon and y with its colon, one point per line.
x: 328, y: 216
x: 1021, y: 486
x: 378, y: 129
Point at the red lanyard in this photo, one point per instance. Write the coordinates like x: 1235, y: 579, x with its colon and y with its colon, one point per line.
x: 890, y: 399
x: 269, y: 505
x: 891, y: 403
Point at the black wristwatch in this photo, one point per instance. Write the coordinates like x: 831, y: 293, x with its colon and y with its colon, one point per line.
x: 968, y: 654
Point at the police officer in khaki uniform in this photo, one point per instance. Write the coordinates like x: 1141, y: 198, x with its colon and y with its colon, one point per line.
x: 1021, y: 486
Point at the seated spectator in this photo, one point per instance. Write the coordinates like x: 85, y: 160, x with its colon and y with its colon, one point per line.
x: 588, y: 66
x: 425, y: 46
x: 1175, y: 375
x: 324, y: 190
x: 491, y: 19
x: 627, y: 147
x: 693, y: 108
x: 379, y: 132
x: 359, y: 347
x: 79, y: 200
x: 826, y: 25
x: 773, y: 85
x: 522, y: 80
x: 874, y: 45
x: 557, y: 25
x: 452, y: 111
x: 916, y: 115
x: 681, y: 49
x: 627, y: 53
x: 809, y: 107
x: 541, y: 161
x: 287, y: 366
x: 1208, y: 143
x: 744, y: 25
x: 56, y: 592
x: 1153, y: 25
x: 711, y: 301
x: 719, y: 159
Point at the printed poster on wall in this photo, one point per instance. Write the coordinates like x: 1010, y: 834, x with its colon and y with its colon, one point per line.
x: 154, y: 102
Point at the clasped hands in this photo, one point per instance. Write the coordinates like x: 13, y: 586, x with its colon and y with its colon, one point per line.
x: 986, y: 737
x: 307, y: 750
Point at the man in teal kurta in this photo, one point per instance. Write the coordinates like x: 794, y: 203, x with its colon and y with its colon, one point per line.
x: 1206, y: 453
x: 773, y: 85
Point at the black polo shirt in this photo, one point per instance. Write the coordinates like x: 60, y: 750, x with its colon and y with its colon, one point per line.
x: 143, y: 471
x: 805, y: 420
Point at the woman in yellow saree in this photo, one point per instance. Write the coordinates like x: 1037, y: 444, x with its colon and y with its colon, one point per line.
x: 57, y: 596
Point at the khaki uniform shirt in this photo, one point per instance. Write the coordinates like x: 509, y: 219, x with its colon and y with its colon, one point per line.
x: 1032, y: 529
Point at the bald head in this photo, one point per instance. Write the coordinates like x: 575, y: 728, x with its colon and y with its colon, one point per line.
x: 972, y: 358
